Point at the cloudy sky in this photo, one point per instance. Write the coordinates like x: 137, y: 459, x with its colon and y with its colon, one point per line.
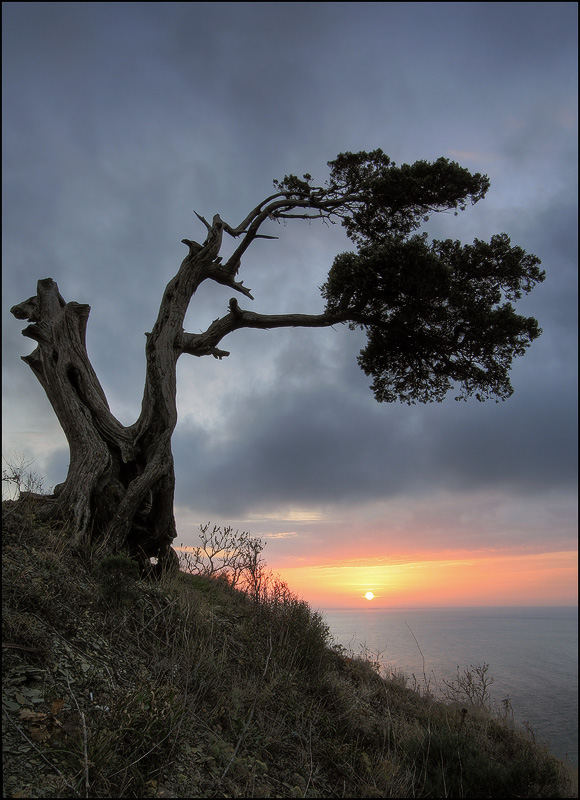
x: 120, y: 119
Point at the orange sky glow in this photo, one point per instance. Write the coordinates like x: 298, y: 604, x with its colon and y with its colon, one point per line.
x: 460, y: 579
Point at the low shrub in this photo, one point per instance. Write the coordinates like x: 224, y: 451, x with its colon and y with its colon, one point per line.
x: 117, y: 575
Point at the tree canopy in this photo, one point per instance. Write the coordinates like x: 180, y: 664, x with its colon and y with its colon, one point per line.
x: 436, y: 314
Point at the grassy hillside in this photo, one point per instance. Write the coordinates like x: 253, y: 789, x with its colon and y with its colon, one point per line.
x: 116, y: 687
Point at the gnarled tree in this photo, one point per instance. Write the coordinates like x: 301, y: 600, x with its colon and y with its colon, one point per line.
x: 437, y: 314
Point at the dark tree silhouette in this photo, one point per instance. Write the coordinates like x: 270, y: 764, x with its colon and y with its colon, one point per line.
x: 437, y: 315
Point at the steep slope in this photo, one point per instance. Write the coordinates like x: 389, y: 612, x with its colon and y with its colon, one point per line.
x: 117, y: 687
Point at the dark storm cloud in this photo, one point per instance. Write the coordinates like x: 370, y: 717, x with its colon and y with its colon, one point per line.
x: 325, y: 444
x: 121, y: 118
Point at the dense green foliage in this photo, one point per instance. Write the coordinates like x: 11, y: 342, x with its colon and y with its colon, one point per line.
x: 437, y: 314
x: 113, y: 687
x: 398, y: 199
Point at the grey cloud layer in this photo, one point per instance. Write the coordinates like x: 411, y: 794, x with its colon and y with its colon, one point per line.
x: 326, y: 444
x: 120, y: 119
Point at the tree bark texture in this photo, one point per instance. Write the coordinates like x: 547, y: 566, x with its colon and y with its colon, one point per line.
x: 120, y: 481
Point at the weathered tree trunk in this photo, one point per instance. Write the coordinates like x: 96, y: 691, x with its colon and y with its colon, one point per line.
x: 120, y: 483
x: 120, y: 480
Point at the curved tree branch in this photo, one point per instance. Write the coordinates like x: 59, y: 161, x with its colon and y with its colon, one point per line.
x: 205, y: 344
x: 276, y: 210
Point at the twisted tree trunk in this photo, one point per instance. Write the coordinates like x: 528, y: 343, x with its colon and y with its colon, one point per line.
x: 120, y: 482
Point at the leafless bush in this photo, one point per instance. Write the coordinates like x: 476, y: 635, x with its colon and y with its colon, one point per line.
x: 226, y: 552
x: 471, y: 686
x: 19, y: 478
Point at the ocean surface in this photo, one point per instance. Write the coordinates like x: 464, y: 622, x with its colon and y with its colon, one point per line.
x: 532, y: 655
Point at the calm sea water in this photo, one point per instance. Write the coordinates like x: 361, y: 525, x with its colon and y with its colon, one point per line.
x: 532, y: 655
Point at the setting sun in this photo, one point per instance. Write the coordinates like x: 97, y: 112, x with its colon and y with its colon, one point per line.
x: 461, y: 578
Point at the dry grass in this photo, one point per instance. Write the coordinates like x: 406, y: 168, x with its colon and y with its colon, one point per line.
x: 114, y: 687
